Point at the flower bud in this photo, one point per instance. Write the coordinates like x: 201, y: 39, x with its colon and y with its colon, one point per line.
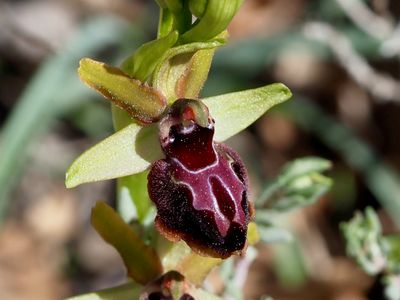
x: 170, y: 286
x: 201, y: 188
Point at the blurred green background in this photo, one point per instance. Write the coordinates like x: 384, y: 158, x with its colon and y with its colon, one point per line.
x: 339, y: 57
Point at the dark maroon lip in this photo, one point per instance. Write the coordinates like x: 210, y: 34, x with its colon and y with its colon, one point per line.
x: 200, y: 188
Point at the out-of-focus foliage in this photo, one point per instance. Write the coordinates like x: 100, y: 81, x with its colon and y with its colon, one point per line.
x: 299, y: 184
x: 373, y: 251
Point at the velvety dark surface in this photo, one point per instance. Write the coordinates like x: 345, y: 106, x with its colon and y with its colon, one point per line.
x: 200, y: 189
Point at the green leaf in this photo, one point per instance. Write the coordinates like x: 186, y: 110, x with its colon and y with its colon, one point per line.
x: 363, y: 241
x: 235, y: 111
x: 141, y: 101
x: 126, y: 152
x: 303, y: 166
x: 299, y: 184
x: 142, y: 263
x: 302, y: 191
x: 143, y: 62
x: 126, y: 291
x: 184, y: 69
x: 216, y: 18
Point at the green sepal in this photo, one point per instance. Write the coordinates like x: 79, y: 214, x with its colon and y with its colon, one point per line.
x: 128, y: 151
x: 141, y: 261
x: 235, y: 111
x: 216, y: 18
x: 143, y: 62
x: 132, y: 149
x: 141, y: 101
x: 184, y: 69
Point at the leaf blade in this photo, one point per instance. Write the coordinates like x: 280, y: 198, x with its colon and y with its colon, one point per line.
x: 141, y: 261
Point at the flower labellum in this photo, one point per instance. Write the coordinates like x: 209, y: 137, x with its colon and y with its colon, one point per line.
x: 201, y: 188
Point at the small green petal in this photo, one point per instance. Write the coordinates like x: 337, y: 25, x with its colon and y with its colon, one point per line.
x: 141, y: 101
x: 141, y: 261
x: 235, y: 111
x: 142, y: 63
x: 184, y: 69
x: 128, y: 151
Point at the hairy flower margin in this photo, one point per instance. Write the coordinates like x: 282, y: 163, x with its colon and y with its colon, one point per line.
x: 145, y: 95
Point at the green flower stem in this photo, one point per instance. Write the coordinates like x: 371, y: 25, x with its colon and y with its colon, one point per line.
x: 198, y: 7
x: 217, y: 16
x: 166, y: 22
x: 142, y: 63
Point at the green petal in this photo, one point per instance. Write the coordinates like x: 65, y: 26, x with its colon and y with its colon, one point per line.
x: 142, y: 262
x: 139, y: 100
x: 126, y: 152
x: 142, y: 63
x: 184, y: 69
x: 235, y: 111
